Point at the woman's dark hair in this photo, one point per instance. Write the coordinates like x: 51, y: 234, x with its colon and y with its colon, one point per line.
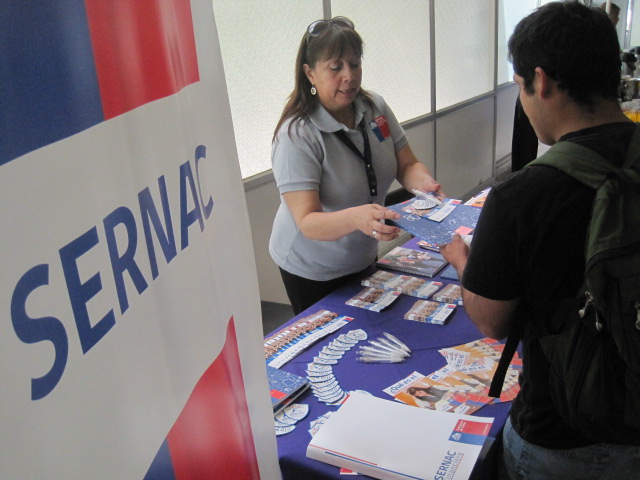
x: 334, y: 42
x: 574, y: 44
x: 413, y: 390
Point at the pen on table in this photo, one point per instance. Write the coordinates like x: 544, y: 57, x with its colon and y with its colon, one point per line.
x: 397, y: 342
x: 389, y: 344
x: 380, y: 351
x: 387, y: 348
x: 427, y: 196
x: 371, y: 359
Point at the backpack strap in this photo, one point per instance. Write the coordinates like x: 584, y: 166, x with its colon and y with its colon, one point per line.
x: 581, y: 163
x: 515, y: 335
x: 589, y: 167
x: 521, y: 317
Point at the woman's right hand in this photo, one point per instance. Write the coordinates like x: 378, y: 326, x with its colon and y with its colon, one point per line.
x: 316, y: 224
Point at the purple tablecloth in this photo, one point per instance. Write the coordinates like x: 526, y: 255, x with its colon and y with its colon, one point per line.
x: 424, y: 340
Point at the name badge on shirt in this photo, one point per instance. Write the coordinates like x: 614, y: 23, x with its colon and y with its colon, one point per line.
x: 380, y: 127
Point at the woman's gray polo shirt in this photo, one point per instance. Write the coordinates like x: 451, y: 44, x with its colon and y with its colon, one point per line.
x: 311, y: 157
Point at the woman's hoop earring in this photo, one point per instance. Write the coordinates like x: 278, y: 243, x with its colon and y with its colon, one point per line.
x: 313, y: 90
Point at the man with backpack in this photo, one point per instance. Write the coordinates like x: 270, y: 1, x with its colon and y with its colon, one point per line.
x: 530, y: 261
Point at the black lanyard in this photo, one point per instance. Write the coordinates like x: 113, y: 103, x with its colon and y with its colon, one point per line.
x: 366, y: 157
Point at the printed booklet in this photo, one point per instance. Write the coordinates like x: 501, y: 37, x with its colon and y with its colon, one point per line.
x: 388, y: 440
x: 435, y: 228
x: 284, y: 387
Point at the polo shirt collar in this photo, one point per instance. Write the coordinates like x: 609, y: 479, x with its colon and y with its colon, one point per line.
x: 322, y: 119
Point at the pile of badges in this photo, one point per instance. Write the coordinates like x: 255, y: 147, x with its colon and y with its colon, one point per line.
x: 316, y: 424
x: 320, y: 372
x: 287, y: 418
x: 386, y: 349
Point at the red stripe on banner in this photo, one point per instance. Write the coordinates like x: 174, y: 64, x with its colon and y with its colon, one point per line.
x: 212, y: 436
x: 144, y: 50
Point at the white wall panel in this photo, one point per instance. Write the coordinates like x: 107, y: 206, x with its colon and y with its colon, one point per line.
x: 464, y: 148
x: 465, y: 50
x: 396, y: 60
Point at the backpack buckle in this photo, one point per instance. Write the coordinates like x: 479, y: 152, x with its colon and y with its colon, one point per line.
x: 590, y: 302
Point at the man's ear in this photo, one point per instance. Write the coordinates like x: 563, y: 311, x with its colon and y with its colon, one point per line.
x: 543, y: 82
x: 308, y: 71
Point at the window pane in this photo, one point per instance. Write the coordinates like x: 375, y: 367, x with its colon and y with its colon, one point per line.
x: 635, y: 26
x: 396, y: 51
x: 511, y: 12
x: 464, y: 50
x: 259, y: 42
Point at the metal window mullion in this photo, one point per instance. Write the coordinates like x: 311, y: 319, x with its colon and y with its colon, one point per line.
x: 432, y: 73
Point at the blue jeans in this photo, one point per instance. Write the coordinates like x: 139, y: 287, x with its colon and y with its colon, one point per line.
x: 524, y: 460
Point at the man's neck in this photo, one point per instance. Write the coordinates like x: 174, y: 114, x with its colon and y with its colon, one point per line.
x: 574, y: 117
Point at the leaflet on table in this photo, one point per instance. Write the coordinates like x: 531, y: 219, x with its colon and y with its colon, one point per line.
x: 389, y: 440
x: 479, y: 359
x: 427, y: 311
x: 451, y: 293
x: 445, y: 390
x: 288, y: 342
x: 374, y: 299
x: 405, y: 284
x: 437, y: 227
x: 467, y: 353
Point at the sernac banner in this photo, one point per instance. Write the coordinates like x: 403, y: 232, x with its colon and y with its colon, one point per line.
x: 130, y: 335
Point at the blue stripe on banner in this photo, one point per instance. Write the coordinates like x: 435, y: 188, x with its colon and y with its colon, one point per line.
x: 161, y: 468
x: 48, y: 83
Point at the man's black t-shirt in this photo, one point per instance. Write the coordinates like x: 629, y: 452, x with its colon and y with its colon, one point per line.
x: 529, y: 244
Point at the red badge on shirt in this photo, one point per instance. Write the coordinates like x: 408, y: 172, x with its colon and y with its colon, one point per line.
x: 381, y: 121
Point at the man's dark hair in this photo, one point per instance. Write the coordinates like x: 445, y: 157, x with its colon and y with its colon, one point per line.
x: 574, y: 44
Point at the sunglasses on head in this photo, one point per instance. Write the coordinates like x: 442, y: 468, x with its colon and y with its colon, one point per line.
x: 319, y: 26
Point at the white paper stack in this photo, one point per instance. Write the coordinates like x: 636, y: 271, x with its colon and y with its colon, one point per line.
x: 389, y: 440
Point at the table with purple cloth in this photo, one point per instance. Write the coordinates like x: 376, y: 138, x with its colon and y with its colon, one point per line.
x: 423, y: 339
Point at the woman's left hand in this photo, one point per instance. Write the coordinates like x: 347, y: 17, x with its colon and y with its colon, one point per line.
x: 429, y: 185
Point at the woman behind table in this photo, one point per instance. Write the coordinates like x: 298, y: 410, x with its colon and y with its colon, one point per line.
x: 331, y: 217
